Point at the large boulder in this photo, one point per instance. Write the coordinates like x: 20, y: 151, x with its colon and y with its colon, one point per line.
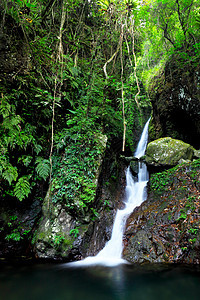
x: 168, y: 152
x: 53, y: 238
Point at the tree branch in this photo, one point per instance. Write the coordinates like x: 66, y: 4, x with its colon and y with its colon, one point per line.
x: 60, y: 59
x: 108, y: 61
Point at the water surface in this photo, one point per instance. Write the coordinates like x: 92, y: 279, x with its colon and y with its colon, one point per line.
x: 60, y: 282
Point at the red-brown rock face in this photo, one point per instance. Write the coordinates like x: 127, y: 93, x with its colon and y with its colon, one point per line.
x: 166, y: 227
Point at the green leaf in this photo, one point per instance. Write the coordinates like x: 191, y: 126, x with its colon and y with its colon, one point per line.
x: 42, y: 167
x: 22, y: 188
x: 25, y: 160
x: 38, y: 148
x: 15, y: 236
x: 10, y: 173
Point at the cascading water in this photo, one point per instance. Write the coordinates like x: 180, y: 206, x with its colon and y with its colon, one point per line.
x: 111, y: 254
x: 141, y: 147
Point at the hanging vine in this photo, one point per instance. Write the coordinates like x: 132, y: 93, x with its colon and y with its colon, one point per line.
x: 58, y: 82
x: 122, y: 88
x: 135, y: 61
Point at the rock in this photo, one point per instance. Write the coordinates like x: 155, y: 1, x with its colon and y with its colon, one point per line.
x: 140, y: 248
x: 168, y: 152
x: 197, y: 153
x: 132, y: 161
x: 183, y: 161
x: 17, y: 222
x: 128, y: 159
x: 52, y: 239
x: 175, y: 97
x: 63, y: 235
x: 165, y: 228
x: 134, y: 167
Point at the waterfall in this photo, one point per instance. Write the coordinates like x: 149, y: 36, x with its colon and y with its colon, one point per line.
x: 111, y: 254
x: 141, y: 147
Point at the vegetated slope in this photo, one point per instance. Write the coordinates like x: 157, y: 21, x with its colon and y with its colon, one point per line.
x: 166, y: 227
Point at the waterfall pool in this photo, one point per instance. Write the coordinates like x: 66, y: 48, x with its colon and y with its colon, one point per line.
x: 123, y: 282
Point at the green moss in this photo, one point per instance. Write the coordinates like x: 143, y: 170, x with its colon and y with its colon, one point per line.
x: 61, y: 241
x: 168, y: 151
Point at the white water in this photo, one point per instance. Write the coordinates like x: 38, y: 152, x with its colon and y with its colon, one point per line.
x: 141, y: 148
x: 111, y: 254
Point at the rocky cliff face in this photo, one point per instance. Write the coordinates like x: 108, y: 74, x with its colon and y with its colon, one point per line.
x: 165, y: 228
x: 175, y: 98
x: 61, y: 235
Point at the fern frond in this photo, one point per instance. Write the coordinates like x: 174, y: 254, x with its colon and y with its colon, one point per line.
x: 10, y: 173
x: 11, y: 122
x: 3, y: 161
x: 22, y: 188
x: 5, y: 108
x: 38, y: 148
x: 42, y: 167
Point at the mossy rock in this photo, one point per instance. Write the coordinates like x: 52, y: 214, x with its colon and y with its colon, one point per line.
x: 168, y: 152
x: 197, y: 153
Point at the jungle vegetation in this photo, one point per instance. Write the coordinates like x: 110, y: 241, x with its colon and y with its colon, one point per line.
x: 85, y: 70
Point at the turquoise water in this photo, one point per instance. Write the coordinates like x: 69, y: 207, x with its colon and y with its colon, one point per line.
x: 59, y: 282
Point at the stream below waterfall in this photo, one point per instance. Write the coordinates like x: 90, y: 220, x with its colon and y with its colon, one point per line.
x: 124, y: 282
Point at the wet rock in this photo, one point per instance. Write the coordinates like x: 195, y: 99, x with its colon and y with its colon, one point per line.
x: 134, y: 167
x: 52, y: 238
x: 168, y: 152
x: 166, y: 227
x: 17, y: 222
x: 143, y: 251
x: 132, y: 161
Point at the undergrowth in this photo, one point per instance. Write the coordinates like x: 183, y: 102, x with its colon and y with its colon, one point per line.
x: 161, y: 182
x: 74, y: 181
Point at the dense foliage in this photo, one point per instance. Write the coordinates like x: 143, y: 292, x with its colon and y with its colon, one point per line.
x: 81, y: 71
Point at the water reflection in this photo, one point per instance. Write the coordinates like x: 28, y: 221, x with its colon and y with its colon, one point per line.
x: 113, y: 277
x: 124, y: 282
